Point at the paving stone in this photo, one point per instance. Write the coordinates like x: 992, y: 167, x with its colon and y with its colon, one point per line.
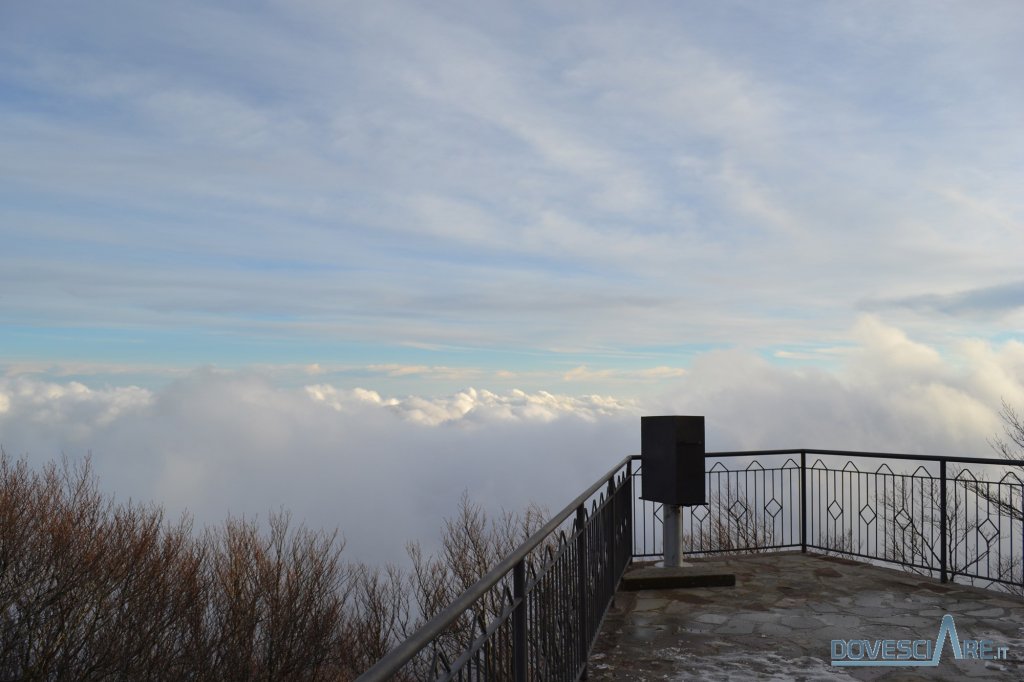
x: 823, y: 607
x: 774, y: 629
x: 801, y: 622
x: 713, y: 618
x: 736, y: 627
x: 677, y: 607
x: 840, y: 619
x: 933, y: 613
x: 764, y: 616
x: 907, y: 619
x: 695, y: 627
x: 650, y: 604
x: 871, y: 600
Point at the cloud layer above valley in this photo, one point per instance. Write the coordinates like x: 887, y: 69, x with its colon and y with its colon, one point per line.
x: 387, y: 469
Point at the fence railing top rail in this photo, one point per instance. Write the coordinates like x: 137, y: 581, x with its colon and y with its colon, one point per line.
x: 393, y: 661
x: 872, y: 455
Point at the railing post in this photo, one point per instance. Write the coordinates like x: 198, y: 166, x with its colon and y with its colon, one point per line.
x: 609, y: 516
x: 803, y: 501
x: 581, y: 585
x: 519, y: 658
x: 943, y: 524
x: 629, y: 510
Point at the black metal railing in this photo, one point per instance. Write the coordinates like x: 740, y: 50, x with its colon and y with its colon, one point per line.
x: 948, y: 517
x: 537, y: 613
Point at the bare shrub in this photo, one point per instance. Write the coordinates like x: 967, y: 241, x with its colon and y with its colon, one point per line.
x: 379, y: 614
x: 93, y: 590
x: 471, y: 545
x: 731, y: 526
x: 275, y: 602
x: 89, y: 590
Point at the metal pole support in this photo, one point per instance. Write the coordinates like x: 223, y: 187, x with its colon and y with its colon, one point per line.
x: 519, y: 653
x: 582, y: 591
x: 672, y: 529
x: 942, y: 521
x: 803, y: 501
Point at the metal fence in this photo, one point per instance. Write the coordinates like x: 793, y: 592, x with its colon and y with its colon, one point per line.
x: 954, y: 518
x: 536, y: 615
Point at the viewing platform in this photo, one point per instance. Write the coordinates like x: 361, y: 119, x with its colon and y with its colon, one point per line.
x: 778, y: 621
x: 846, y: 566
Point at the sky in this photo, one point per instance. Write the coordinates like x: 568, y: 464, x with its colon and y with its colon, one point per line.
x: 343, y: 256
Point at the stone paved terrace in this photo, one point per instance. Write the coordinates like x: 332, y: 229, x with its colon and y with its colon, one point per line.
x: 778, y: 621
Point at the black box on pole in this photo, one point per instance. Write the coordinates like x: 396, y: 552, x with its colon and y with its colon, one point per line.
x: 672, y: 460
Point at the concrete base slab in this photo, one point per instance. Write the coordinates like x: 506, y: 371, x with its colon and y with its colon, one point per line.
x: 661, y: 578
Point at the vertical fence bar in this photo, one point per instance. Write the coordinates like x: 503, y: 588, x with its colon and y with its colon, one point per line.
x: 519, y: 621
x: 611, y: 517
x: 581, y: 585
x: 803, y: 501
x: 629, y: 510
x: 943, y: 524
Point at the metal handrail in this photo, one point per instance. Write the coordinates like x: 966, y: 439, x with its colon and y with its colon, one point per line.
x: 395, y: 659
x: 871, y: 455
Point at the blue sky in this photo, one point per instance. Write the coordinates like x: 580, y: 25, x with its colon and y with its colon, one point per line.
x: 503, y: 186
x: 570, y: 199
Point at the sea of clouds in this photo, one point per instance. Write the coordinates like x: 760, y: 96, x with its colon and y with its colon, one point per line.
x: 388, y: 469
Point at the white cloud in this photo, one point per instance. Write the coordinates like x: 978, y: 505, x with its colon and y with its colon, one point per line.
x: 888, y: 393
x: 399, y: 370
x: 383, y: 469
x: 794, y: 355
x: 71, y: 405
x: 885, y: 354
x: 479, y: 407
x: 386, y: 469
x: 661, y: 372
x: 662, y: 73
x: 995, y: 372
x: 584, y: 373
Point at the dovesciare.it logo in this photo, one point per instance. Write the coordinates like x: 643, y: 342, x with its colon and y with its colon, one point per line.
x: 914, y: 652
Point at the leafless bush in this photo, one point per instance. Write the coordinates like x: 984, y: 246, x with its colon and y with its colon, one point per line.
x: 732, y: 526
x: 276, y: 603
x: 471, y: 545
x: 93, y: 590
x: 977, y: 509
x: 380, y: 614
x: 90, y: 590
